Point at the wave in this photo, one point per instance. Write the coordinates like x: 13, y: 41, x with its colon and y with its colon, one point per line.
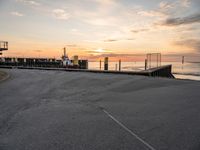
x: 187, y: 74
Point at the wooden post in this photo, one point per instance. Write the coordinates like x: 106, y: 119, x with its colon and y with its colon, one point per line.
x: 160, y: 59
x: 120, y: 65
x: 150, y: 60
x: 145, y: 64
x: 116, y: 67
x: 106, y: 63
x: 100, y: 64
x: 157, y: 59
x: 183, y: 59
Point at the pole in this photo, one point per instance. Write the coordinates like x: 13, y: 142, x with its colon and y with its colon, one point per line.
x: 106, y: 63
x: 183, y: 59
x: 145, y: 64
x: 150, y: 61
x: 157, y: 59
x: 116, y: 67
x: 120, y: 65
x: 100, y: 64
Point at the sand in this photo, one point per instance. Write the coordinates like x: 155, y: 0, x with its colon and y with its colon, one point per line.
x: 52, y: 110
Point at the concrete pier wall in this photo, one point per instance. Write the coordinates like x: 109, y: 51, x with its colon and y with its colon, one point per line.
x: 163, y: 71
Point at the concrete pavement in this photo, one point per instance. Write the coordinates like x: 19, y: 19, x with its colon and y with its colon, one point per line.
x: 52, y: 110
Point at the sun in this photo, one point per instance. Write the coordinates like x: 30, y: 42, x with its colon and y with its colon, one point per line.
x: 99, y: 50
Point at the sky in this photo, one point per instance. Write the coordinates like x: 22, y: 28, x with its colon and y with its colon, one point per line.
x: 98, y: 28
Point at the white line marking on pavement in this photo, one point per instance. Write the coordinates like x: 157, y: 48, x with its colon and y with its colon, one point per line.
x: 128, y: 130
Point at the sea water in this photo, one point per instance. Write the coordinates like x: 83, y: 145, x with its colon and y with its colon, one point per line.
x: 181, y: 71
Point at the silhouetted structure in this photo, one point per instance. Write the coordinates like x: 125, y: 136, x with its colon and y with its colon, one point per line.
x: 3, y: 46
x: 39, y: 62
x: 106, y: 63
x: 120, y: 64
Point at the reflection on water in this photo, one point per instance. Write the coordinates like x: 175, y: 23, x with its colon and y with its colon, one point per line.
x: 187, y: 71
x: 190, y: 77
x: 182, y: 71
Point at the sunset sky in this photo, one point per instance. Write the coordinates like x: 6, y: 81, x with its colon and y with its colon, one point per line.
x: 94, y: 28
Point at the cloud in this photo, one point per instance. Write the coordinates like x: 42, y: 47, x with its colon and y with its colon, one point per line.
x: 111, y: 40
x: 139, y: 30
x: 185, y: 3
x: 116, y: 55
x: 190, y: 43
x: 71, y: 45
x: 61, y: 14
x: 195, y: 18
x: 15, y: 13
x: 164, y: 9
x: 99, y: 20
x: 29, y: 2
x: 130, y: 39
x: 116, y: 40
x: 151, y: 13
x: 99, y: 52
x: 165, y: 6
x: 106, y: 2
x: 37, y: 50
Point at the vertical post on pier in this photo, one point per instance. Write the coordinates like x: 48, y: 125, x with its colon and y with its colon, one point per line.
x: 7, y: 45
x: 145, y: 64
x: 157, y: 58
x: 183, y: 59
x: 150, y: 60
x: 120, y: 65
x: 160, y: 59
x: 106, y: 63
x: 100, y: 64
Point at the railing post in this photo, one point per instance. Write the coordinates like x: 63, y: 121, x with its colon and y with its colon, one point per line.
x: 115, y: 67
x: 120, y: 65
x: 106, y: 63
x: 100, y: 64
x: 145, y: 64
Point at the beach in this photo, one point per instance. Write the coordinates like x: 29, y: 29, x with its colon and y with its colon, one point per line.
x: 55, y: 110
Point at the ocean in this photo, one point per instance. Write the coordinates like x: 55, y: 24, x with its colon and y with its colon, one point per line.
x: 187, y: 70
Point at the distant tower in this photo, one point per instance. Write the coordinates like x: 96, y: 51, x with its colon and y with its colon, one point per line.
x: 65, y: 59
x: 65, y: 55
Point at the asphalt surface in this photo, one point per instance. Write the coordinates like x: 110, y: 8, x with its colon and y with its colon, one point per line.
x: 3, y: 75
x: 52, y: 110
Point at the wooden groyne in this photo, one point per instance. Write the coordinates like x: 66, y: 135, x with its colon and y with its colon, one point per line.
x: 163, y: 71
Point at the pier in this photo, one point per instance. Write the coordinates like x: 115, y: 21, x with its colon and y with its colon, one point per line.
x: 162, y: 71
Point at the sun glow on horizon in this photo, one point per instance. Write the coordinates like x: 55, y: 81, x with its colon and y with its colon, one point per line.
x: 104, y: 28
x: 99, y: 50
